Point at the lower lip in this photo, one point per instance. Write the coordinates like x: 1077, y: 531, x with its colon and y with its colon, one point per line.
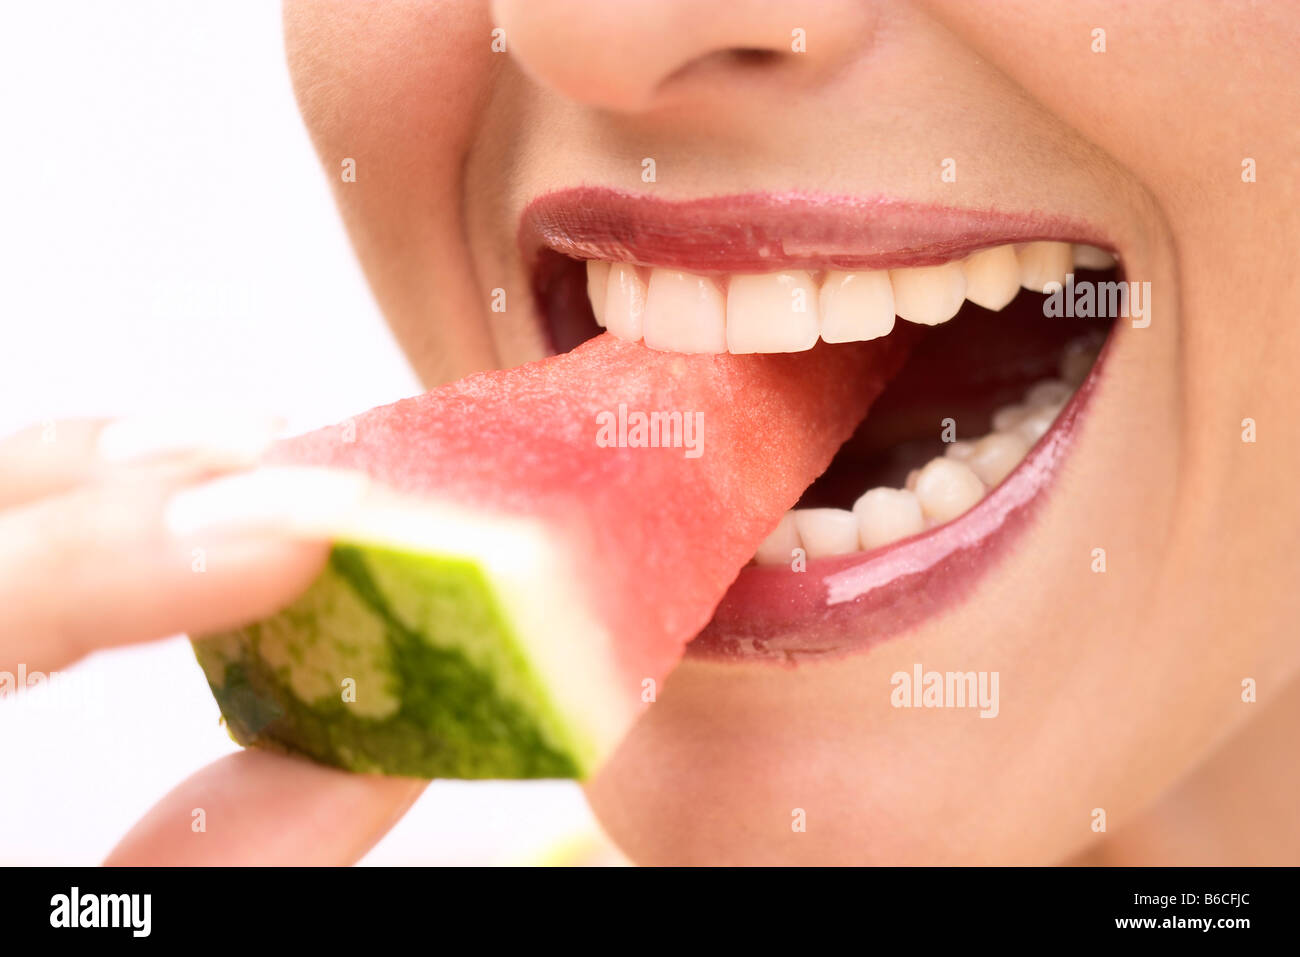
x: 848, y: 604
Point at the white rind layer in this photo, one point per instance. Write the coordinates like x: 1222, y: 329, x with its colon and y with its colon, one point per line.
x: 536, y: 583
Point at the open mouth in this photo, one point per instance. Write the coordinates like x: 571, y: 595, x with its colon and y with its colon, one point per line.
x: 951, y: 458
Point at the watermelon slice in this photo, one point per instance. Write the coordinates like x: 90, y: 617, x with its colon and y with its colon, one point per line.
x: 529, y: 570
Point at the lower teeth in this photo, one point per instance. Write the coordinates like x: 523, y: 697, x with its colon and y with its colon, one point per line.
x: 944, y: 488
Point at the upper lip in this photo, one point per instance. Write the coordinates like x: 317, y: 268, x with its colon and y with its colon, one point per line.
x: 763, y: 232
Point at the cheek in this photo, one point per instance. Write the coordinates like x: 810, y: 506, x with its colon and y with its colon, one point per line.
x: 1126, y: 76
x: 393, y: 86
x: 390, y: 96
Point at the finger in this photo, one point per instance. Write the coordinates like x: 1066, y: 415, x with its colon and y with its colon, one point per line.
x: 259, y: 808
x: 55, y: 457
x: 104, y: 565
x: 47, y: 459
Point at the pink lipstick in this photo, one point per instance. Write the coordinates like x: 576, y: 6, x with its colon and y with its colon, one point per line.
x: 761, y: 232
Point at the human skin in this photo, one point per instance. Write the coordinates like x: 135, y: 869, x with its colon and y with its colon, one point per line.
x: 1119, y: 687
x: 1120, y: 691
x: 88, y: 562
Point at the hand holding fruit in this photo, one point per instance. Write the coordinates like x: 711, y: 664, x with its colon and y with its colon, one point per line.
x: 98, y: 547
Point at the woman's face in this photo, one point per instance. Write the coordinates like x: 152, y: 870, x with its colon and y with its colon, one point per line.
x: 1172, y: 146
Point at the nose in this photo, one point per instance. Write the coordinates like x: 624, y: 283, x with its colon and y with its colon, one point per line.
x: 633, y: 55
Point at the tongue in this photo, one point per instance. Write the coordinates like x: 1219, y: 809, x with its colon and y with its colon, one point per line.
x: 598, y: 505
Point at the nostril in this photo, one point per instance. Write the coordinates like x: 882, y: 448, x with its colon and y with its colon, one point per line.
x: 639, y: 56
x: 753, y: 56
x: 716, y: 66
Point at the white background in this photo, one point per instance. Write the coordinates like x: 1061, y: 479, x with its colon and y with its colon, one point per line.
x: 167, y: 240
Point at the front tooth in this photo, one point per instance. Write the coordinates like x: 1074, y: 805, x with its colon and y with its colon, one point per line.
x: 684, y: 313
x: 946, y: 488
x: 597, y: 284
x: 1043, y: 263
x: 625, y: 297
x: 778, y: 548
x: 959, y: 450
x: 856, y: 306
x: 992, y: 277
x: 772, y: 312
x: 1090, y: 257
x: 995, y: 456
x: 827, y: 531
x: 928, y: 295
x: 887, y: 515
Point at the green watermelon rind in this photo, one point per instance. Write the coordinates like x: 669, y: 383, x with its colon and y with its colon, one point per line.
x: 442, y: 686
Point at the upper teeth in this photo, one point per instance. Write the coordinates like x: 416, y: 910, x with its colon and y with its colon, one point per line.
x: 787, y: 311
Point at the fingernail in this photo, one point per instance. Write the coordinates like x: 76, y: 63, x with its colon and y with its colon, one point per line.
x: 293, y: 500
x: 220, y: 440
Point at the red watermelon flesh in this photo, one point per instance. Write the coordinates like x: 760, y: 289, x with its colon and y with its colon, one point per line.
x: 624, y: 551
